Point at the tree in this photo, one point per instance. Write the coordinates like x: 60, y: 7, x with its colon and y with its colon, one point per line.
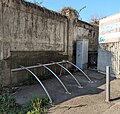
x: 95, y: 19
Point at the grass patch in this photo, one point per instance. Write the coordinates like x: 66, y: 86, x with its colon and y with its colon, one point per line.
x: 36, y: 105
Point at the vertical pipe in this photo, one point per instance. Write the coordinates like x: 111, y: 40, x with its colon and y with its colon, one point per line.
x: 107, y: 84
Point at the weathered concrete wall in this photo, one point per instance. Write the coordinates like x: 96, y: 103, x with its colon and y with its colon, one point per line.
x: 78, y: 29
x: 32, y: 58
x: 32, y: 28
x: 109, y: 55
x: 83, y: 30
x: 30, y: 34
x: 1, y: 34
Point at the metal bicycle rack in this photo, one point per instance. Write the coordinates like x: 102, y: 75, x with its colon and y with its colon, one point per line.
x: 39, y: 82
x: 57, y: 78
x: 46, y: 67
x: 80, y: 71
x: 79, y: 85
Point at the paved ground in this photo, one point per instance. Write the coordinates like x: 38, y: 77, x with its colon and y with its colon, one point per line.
x: 86, y: 100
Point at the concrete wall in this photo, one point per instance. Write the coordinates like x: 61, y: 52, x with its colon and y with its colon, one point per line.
x: 30, y: 34
x: 83, y: 30
x: 109, y: 44
x: 30, y: 28
x: 109, y: 55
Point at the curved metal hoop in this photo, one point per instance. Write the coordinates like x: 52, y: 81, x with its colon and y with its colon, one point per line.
x: 79, y: 85
x: 57, y: 78
x: 80, y: 70
x: 39, y: 82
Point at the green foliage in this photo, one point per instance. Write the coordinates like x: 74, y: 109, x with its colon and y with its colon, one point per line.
x: 35, y: 106
x: 6, y: 103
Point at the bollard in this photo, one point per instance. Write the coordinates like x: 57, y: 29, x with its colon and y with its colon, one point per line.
x: 107, y: 84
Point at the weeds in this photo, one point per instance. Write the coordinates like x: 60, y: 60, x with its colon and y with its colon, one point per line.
x: 37, y: 106
x: 7, y: 105
x: 34, y: 106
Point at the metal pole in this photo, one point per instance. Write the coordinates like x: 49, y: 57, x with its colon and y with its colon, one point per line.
x: 35, y: 66
x: 39, y: 83
x: 107, y: 84
x: 67, y: 92
x: 80, y: 71
x: 79, y: 85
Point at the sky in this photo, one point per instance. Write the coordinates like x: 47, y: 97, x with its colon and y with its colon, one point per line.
x: 94, y: 8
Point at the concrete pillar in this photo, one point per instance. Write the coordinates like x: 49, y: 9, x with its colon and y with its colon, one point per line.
x: 5, y: 77
x: 70, y: 39
x: 72, y: 18
x: 4, y: 52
